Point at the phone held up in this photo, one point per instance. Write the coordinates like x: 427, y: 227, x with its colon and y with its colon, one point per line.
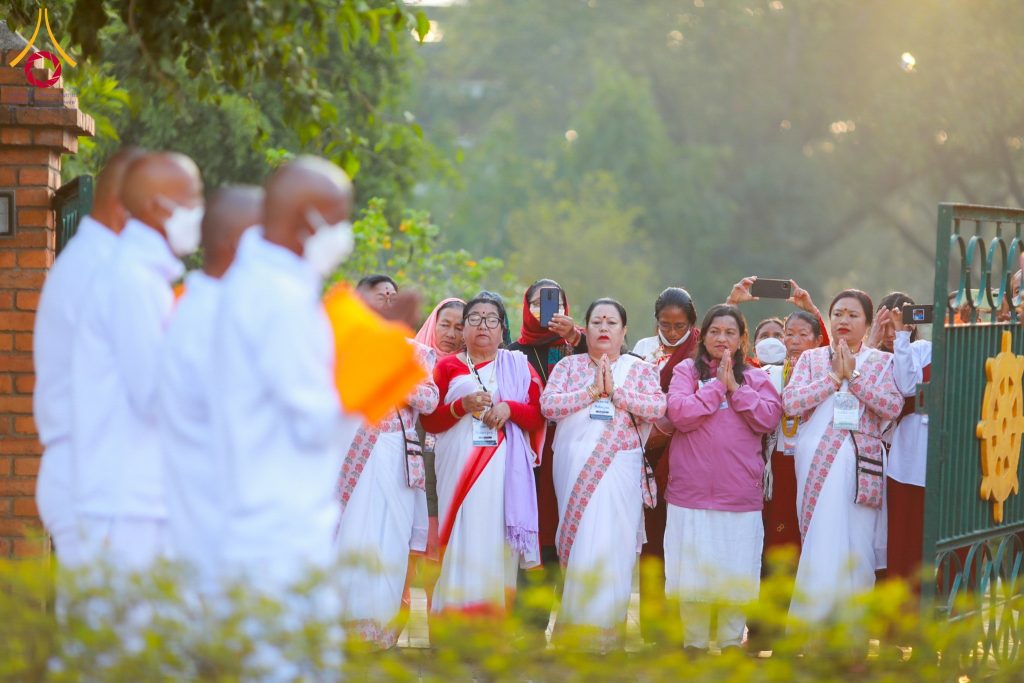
x: 550, y: 298
x: 918, y: 315
x: 765, y: 288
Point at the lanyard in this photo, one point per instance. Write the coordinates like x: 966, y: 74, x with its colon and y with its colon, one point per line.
x: 476, y: 374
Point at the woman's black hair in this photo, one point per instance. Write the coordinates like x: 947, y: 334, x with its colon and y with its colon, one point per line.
x: 897, y: 300
x: 811, y: 320
x: 859, y: 295
x: 605, y: 301
x: 451, y: 304
x: 371, y: 281
x: 493, y: 299
x: 679, y: 298
x: 739, y: 363
x: 767, y: 321
x: 545, y: 282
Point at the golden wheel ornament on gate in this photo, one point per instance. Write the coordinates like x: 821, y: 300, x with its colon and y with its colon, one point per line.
x: 1001, y: 427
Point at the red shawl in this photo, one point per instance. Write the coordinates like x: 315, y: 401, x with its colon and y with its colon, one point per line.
x: 688, y: 349
x: 532, y: 334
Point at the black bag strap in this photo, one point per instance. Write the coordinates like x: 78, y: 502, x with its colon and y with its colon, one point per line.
x: 401, y: 422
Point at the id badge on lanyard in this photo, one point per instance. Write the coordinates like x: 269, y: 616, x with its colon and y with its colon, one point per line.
x: 845, y: 410
x: 789, y: 424
x: 602, y: 410
x: 484, y: 435
x: 725, y: 401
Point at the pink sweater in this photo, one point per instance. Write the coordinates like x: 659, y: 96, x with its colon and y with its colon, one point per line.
x: 715, y: 460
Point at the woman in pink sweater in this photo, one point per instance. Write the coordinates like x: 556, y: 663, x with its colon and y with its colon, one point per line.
x: 720, y: 408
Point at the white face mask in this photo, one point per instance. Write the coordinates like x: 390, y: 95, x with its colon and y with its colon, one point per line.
x: 329, y: 246
x: 183, y: 227
x: 770, y: 351
x: 664, y: 342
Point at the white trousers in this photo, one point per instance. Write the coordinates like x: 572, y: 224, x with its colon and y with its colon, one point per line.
x: 696, y: 618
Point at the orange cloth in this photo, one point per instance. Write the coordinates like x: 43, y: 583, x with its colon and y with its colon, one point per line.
x: 376, y: 368
x: 179, y: 290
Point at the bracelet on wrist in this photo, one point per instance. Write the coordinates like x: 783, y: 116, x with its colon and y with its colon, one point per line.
x: 451, y: 409
x: 835, y: 378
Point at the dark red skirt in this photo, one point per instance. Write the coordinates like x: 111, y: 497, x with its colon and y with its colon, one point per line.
x: 655, y: 520
x: 906, y: 530
x: 781, y: 523
x: 547, y: 503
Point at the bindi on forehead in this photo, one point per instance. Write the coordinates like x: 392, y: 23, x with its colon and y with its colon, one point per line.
x: 483, y: 309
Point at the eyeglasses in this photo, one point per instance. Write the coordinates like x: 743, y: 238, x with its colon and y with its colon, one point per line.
x: 488, y: 322
x: 677, y: 327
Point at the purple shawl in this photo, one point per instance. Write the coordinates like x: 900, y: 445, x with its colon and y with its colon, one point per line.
x: 513, y: 374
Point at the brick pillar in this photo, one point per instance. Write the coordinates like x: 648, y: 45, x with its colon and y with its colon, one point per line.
x: 37, y: 126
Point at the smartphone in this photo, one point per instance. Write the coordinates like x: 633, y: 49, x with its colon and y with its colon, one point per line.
x: 918, y: 315
x: 764, y: 288
x: 550, y: 299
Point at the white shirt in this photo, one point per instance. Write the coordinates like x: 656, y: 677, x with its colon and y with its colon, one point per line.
x: 115, y: 359
x: 193, y: 486
x: 277, y: 415
x: 908, y: 456
x: 59, y: 305
x: 648, y: 348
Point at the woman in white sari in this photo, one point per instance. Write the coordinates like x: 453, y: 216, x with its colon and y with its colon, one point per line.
x: 383, y: 516
x: 846, y: 397
x: 487, y: 425
x: 604, y: 403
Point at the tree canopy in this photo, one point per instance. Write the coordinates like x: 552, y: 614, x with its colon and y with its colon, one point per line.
x: 694, y: 142
x: 242, y: 84
x: 810, y: 140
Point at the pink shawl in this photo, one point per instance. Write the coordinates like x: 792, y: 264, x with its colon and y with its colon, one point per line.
x: 428, y: 333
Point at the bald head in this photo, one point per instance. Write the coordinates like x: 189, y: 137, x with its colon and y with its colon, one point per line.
x: 156, y: 183
x: 296, y: 188
x: 229, y: 213
x: 106, y: 201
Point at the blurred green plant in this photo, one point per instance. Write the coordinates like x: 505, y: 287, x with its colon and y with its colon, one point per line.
x: 410, y: 251
x: 115, y: 627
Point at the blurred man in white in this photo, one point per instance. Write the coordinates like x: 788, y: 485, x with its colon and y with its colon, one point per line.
x: 62, y: 298
x: 117, y: 478
x: 194, y: 486
x: 279, y: 422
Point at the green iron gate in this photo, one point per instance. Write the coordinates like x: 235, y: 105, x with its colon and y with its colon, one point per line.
x: 978, y: 560
x: 72, y: 202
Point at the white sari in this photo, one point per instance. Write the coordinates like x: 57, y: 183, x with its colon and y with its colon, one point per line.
x: 384, y: 519
x: 478, y: 567
x: 599, y: 573
x: 839, y: 555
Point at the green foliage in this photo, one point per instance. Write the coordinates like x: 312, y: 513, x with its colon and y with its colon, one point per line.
x: 114, y: 627
x: 590, y: 242
x: 727, y: 126
x: 234, y: 82
x: 409, y: 251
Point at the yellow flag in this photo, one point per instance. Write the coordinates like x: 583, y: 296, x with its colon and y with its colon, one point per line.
x: 376, y: 368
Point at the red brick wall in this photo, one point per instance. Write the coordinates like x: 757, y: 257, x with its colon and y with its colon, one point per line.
x: 37, y: 126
